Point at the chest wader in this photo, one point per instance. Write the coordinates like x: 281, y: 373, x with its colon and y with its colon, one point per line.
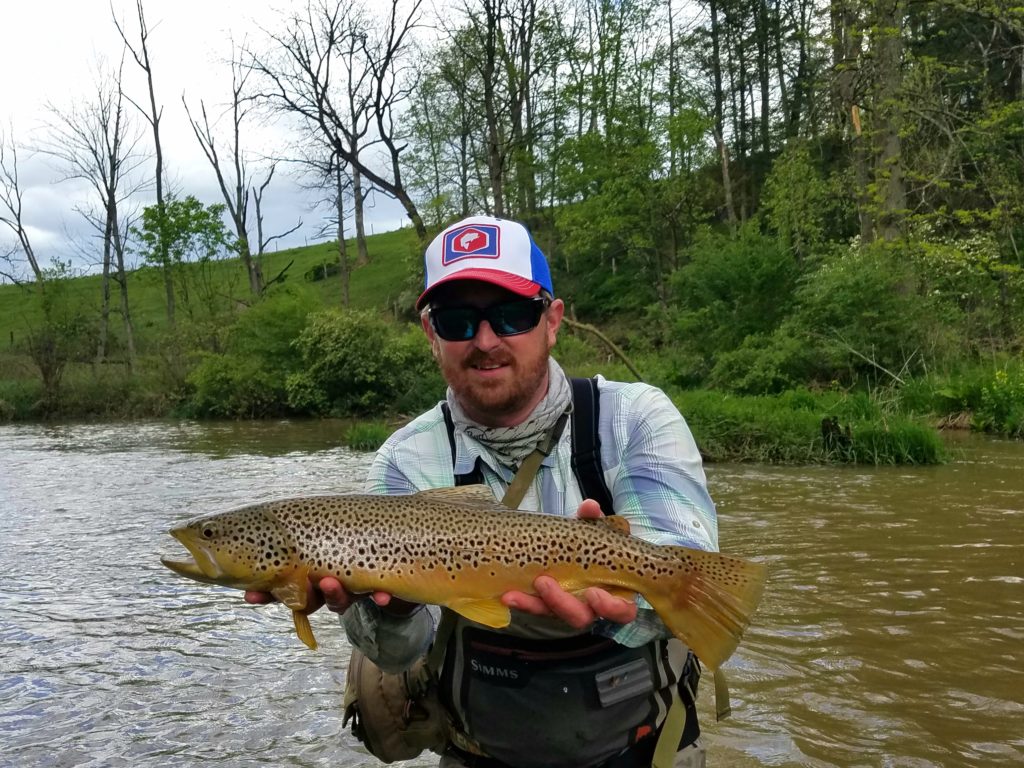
x: 583, y: 700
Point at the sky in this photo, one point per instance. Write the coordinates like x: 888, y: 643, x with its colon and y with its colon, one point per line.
x: 48, y: 56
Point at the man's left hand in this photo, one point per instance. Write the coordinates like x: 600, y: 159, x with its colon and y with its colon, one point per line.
x: 552, y: 600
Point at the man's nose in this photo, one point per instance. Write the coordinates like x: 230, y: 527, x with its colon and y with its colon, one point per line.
x: 486, y: 338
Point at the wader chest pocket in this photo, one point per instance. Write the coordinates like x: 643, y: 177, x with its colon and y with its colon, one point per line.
x: 574, y: 702
x: 624, y: 682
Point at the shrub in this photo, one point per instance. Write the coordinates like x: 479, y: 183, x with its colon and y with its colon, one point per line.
x: 869, y: 313
x: 764, y: 365
x: 249, y: 379
x: 801, y: 427
x: 731, y: 289
x: 1002, y: 404
x: 356, y: 363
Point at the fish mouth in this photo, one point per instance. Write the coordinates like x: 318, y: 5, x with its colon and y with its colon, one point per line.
x: 202, y: 567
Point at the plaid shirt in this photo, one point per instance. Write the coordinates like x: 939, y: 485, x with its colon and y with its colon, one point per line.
x: 651, y: 465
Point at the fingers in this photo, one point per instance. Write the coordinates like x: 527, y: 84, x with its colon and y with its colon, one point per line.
x: 552, y: 600
x: 589, y: 510
x: 259, y: 598
x: 334, y: 596
x: 609, y: 607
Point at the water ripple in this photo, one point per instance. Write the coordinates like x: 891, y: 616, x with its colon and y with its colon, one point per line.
x: 889, y: 633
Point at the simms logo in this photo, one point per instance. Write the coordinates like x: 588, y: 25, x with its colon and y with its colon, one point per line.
x: 489, y: 671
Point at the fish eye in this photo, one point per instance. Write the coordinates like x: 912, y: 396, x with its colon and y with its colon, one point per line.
x: 208, y: 533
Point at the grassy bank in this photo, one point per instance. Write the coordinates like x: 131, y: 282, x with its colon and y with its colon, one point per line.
x: 297, y: 353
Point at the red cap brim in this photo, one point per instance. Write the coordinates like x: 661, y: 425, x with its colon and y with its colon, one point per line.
x: 518, y: 285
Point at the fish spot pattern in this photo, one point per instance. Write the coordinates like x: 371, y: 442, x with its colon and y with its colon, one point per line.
x: 374, y: 542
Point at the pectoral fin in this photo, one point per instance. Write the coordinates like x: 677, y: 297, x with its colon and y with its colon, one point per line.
x: 303, y: 630
x: 490, y: 613
x: 294, y: 593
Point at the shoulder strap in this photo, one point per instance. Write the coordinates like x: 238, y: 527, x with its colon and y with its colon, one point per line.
x: 586, y: 443
x: 476, y: 477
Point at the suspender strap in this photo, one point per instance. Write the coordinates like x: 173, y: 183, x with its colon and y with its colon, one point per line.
x: 671, y: 732
x: 531, y: 464
x: 586, y: 443
x: 476, y: 477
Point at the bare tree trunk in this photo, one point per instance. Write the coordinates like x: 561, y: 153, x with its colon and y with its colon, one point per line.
x: 358, y: 195
x: 889, y: 173
x: 11, y: 214
x: 299, y: 82
x: 339, y: 202
x: 121, y: 275
x: 847, y: 38
x: 94, y: 143
x: 761, y: 33
x: 153, y: 116
x: 237, y: 197
x: 723, y: 150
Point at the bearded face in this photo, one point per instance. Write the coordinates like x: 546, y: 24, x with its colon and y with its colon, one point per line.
x: 498, y: 380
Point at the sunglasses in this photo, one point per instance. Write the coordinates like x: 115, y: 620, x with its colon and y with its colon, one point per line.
x: 510, y: 318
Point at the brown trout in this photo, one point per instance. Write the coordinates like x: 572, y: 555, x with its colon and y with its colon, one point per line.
x: 458, y: 547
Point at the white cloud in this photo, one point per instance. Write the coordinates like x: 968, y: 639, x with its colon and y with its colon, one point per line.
x: 49, y: 55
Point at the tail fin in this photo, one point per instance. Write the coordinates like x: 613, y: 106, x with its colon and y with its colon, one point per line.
x: 709, y: 602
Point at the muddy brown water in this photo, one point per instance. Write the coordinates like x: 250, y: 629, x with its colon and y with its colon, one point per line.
x: 891, y: 632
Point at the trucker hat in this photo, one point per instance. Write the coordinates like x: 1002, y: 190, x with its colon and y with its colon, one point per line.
x: 485, y: 248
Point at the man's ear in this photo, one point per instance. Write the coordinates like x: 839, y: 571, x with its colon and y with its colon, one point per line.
x: 554, y: 315
x: 428, y: 329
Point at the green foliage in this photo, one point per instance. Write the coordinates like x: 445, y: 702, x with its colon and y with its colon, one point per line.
x: 355, y: 363
x: 971, y: 274
x: 868, y: 309
x: 229, y: 386
x: 791, y: 428
x: 729, y: 290
x: 1002, y: 404
x: 764, y: 364
x: 796, y: 201
x: 183, y: 230
x: 367, y: 435
x: 248, y: 379
x: 60, y: 336
x: 612, y: 238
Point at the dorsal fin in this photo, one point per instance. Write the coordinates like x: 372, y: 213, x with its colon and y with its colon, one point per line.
x: 615, y: 522
x: 466, y: 495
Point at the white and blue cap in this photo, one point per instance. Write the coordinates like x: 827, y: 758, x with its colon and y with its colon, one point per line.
x: 484, y: 248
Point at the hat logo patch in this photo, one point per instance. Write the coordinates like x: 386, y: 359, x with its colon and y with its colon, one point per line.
x: 472, y: 241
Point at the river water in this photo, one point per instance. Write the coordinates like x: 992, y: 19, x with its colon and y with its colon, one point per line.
x: 891, y: 632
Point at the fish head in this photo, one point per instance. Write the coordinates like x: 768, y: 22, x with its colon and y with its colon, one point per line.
x: 246, y: 548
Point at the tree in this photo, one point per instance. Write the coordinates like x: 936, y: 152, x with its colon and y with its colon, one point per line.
x: 153, y: 115
x: 94, y: 141
x: 189, y: 233
x: 298, y: 80
x: 237, y: 197
x: 12, y: 214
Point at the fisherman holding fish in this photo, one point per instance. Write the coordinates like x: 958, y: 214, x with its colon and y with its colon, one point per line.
x: 581, y: 675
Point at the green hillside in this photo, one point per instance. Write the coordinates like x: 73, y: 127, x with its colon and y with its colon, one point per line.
x: 377, y: 285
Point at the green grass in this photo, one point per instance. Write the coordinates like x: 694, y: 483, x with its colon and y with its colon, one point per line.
x: 367, y: 435
x: 788, y: 429
x: 394, y: 267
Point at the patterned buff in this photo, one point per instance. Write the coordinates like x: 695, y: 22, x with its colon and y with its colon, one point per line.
x: 513, y: 444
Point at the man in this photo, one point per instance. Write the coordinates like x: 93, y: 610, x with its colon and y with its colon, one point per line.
x: 540, y: 694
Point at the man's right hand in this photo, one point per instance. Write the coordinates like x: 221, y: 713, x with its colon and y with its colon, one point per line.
x: 331, y: 593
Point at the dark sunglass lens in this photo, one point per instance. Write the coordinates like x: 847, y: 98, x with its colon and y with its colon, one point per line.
x: 455, y: 323
x: 515, y: 316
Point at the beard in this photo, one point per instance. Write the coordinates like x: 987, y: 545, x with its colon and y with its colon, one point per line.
x: 489, y: 401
